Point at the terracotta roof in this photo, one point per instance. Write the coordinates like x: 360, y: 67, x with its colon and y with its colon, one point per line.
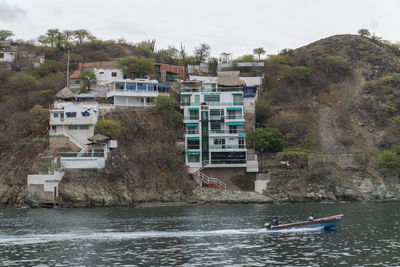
x: 75, y: 75
x: 98, y: 64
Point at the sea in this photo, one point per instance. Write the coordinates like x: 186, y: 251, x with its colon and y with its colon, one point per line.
x: 199, y: 235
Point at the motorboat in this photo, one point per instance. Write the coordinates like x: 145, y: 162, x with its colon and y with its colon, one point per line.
x: 326, y: 223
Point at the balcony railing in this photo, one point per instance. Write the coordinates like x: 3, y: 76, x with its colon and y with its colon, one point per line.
x: 227, y: 131
x: 227, y: 146
x: 235, y: 103
x: 82, y: 155
x: 226, y: 117
x: 194, y: 147
x: 224, y: 161
x: 192, y: 132
x: 191, y: 118
x: 220, y: 89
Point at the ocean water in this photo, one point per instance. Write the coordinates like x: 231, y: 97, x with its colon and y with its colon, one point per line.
x: 199, y: 235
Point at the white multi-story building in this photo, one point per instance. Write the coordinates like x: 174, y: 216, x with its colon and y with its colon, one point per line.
x: 214, y: 125
x: 73, y: 120
x: 137, y: 92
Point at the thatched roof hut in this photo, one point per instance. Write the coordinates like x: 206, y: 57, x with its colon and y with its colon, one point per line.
x: 65, y: 94
x: 230, y: 79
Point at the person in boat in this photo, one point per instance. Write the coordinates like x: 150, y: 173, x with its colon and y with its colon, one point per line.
x: 275, y: 221
x: 311, y: 218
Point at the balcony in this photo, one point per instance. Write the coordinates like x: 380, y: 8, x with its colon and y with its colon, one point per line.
x: 220, y: 89
x: 236, y: 103
x: 228, y: 146
x: 237, y: 131
x: 73, y: 120
x: 190, y: 118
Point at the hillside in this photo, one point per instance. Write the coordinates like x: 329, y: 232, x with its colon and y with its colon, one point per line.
x: 339, y: 94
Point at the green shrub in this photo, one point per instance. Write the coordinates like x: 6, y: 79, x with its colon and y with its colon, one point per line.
x: 292, y: 156
x: 396, y: 121
x: 387, y: 110
x: 298, y: 73
x: 390, y: 80
x: 309, y: 142
x: 166, y: 103
x: 337, y: 65
x: 168, y: 107
x: 267, y: 139
x: 136, y: 67
x: 263, y: 110
x: 388, y: 162
x: 279, y: 59
x: 395, y: 49
x: 108, y: 128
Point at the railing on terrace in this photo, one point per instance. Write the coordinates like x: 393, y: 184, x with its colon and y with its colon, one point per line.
x: 235, y: 103
x: 191, y: 118
x: 224, y: 161
x: 220, y: 89
x: 192, y: 132
x: 226, y: 117
x: 195, y: 147
x: 82, y: 155
x: 227, y: 131
x: 227, y: 146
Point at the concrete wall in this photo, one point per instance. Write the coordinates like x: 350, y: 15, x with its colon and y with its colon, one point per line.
x: 83, y: 163
x: 104, y: 76
x: 61, y: 144
x: 235, y: 178
x: 49, y: 181
x: 7, y: 56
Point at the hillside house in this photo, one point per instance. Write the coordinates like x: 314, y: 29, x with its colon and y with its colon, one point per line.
x: 92, y: 156
x: 73, y: 120
x: 170, y: 73
x: 8, y: 53
x: 135, y: 93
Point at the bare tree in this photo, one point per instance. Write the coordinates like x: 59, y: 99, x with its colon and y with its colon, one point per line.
x: 202, y: 52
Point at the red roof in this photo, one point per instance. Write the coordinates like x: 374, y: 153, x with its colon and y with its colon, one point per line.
x: 75, y: 75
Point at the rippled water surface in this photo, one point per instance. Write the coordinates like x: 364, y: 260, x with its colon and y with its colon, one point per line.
x: 202, y: 235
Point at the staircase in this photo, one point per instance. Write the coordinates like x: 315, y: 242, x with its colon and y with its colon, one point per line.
x: 202, y: 178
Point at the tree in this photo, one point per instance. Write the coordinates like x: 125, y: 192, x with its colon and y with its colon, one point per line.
x: 4, y: 34
x: 388, y: 162
x: 213, y: 65
x: 202, y: 52
x: 108, y: 128
x: 136, y: 67
x: 364, y: 32
x: 263, y: 110
x: 245, y: 58
x: 259, y: 51
x: 88, y: 77
x: 267, y: 139
x: 81, y: 35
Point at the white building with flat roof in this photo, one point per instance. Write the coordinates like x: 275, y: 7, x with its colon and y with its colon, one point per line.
x: 135, y: 93
x: 73, y: 120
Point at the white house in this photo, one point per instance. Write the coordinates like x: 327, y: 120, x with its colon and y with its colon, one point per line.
x: 73, y: 120
x: 134, y: 93
x: 92, y: 156
x: 8, y: 52
x: 106, y: 71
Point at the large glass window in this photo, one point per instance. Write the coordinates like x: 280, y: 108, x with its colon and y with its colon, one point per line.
x: 70, y: 114
x: 216, y: 114
x: 193, y: 144
x: 215, y: 126
x: 193, y: 114
x: 83, y: 127
x: 211, y: 98
x: 220, y: 142
x: 241, y: 143
x: 197, y: 98
x: 55, y: 115
x: 72, y: 127
x: 185, y: 100
x: 238, y: 100
x: 234, y: 114
x: 192, y: 129
x: 193, y: 158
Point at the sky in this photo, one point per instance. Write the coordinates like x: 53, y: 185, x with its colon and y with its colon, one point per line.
x: 230, y: 26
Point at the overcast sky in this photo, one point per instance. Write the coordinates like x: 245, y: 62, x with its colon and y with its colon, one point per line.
x: 233, y: 26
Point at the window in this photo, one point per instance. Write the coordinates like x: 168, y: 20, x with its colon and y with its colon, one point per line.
x: 193, y: 158
x: 77, y: 82
x: 83, y: 127
x: 55, y: 115
x: 54, y: 128
x: 72, y: 127
x: 211, y: 98
x: 215, y: 126
x: 220, y: 142
x: 113, y: 74
x: 185, y: 100
x: 70, y: 114
x: 193, y: 144
x: 241, y: 142
x: 232, y: 129
x: 197, y: 98
x: 238, y: 100
x: 101, y: 72
x: 216, y: 114
x: 192, y: 129
x: 234, y: 114
x: 193, y: 114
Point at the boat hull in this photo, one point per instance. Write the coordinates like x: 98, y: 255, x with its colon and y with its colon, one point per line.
x: 323, y: 223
